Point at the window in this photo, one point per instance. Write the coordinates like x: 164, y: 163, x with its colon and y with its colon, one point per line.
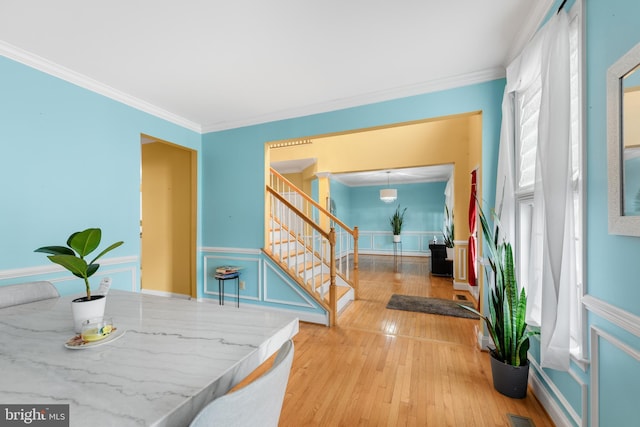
x: 527, y: 101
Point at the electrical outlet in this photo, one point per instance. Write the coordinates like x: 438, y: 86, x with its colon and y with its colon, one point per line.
x: 242, y: 284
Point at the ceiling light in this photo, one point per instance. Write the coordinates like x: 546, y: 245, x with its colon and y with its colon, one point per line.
x: 388, y: 195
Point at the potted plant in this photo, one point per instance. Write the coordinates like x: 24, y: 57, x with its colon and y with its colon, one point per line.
x: 448, y: 232
x: 72, y: 257
x: 506, y: 320
x: 396, y: 221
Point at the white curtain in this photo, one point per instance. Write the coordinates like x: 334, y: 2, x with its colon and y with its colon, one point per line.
x: 448, y: 195
x: 505, y: 200
x: 552, y: 273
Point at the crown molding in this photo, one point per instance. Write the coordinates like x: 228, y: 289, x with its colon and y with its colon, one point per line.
x: 41, y: 64
x: 44, y: 65
x: 370, y: 98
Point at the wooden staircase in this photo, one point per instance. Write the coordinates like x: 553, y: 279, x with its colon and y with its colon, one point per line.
x: 312, y: 246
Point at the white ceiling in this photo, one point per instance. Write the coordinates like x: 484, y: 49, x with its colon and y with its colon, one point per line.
x: 211, y: 64
x: 392, y: 177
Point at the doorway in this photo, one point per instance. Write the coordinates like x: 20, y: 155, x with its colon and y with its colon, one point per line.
x: 168, y: 218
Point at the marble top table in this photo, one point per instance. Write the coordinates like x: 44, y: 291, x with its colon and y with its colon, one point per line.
x: 174, y: 356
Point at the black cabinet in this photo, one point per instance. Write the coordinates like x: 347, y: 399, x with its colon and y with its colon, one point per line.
x: 440, y: 265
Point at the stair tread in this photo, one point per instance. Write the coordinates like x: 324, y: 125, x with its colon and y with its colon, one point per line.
x: 340, y: 292
x: 307, y: 265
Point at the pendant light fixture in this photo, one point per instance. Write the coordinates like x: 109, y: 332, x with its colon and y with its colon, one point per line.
x: 388, y: 195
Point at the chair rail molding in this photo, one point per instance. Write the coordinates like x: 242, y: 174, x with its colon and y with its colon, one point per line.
x: 619, y: 317
x: 54, y: 268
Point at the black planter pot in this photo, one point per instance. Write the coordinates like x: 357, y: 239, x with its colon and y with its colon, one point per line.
x: 510, y: 380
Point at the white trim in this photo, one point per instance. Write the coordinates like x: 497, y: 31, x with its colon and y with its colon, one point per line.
x: 619, y: 317
x: 165, y: 294
x: 231, y: 250
x: 205, y: 284
x: 482, y: 340
x: 548, y: 403
x: 462, y: 286
x: 101, y: 273
x: 387, y: 253
x: 461, y: 260
x: 41, y: 64
x: 551, y: 404
x: 55, y: 268
x: 296, y: 289
x: 596, y: 334
x: 365, y: 99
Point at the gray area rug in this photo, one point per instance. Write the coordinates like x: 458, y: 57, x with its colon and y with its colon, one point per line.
x: 430, y: 305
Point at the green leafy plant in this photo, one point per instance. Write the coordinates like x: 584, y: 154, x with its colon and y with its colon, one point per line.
x: 72, y: 257
x: 507, y: 307
x: 448, y: 228
x: 396, y: 220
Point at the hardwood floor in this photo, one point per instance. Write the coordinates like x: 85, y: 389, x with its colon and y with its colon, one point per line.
x: 396, y: 368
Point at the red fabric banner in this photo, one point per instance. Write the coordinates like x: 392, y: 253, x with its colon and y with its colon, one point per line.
x: 471, y: 251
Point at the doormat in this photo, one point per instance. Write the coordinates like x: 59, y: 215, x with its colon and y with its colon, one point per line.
x: 430, y: 305
x: 518, y: 421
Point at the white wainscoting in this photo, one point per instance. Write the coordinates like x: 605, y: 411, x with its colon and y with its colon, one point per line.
x: 261, y: 295
x: 551, y: 405
x: 108, y: 266
x: 621, y: 318
x: 209, y: 264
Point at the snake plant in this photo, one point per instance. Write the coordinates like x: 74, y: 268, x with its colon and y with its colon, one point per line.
x: 396, y: 220
x: 80, y: 244
x: 507, y: 307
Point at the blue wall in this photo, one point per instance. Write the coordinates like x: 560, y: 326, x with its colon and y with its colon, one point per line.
x: 602, y: 389
x: 233, y: 164
x: 361, y: 207
x: 70, y: 160
x: 612, y: 261
x: 424, y: 203
x: 237, y: 155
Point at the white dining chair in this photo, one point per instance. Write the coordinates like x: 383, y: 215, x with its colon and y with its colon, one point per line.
x: 257, y: 404
x: 23, y: 293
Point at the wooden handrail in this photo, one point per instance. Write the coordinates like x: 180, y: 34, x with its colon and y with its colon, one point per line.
x: 298, y: 206
x: 314, y: 203
x: 298, y: 212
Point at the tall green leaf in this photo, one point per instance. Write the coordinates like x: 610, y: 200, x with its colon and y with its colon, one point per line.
x: 110, y: 248
x: 72, y: 263
x: 507, y: 306
x: 55, y: 250
x: 85, y: 242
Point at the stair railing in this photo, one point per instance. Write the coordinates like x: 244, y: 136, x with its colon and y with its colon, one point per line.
x: 297, y: 221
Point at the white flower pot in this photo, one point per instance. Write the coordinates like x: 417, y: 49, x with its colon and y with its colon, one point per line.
x: 83, y: 309
x: 450, y: 253
x: 396, y: 238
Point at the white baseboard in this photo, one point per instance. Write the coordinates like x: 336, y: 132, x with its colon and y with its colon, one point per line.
x: 547, y: 401
x: 164, y: 294
x: 482, y: 340
x: 461, y: 286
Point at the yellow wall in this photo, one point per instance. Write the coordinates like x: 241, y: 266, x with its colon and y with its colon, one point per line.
x: 295, y: 178
x: 415, y: 144
x: 455, y: 139
x: 168, y: 216
x: 631, y: 126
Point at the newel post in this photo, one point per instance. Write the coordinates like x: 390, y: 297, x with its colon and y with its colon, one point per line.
x: 356, y: 283
x: 333, y: 302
